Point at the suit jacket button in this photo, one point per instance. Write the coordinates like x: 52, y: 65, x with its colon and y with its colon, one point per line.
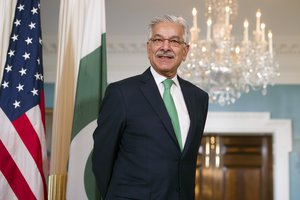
x: 178, y: 189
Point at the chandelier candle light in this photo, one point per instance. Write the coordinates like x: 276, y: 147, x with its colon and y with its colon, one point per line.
x: 223, y: 67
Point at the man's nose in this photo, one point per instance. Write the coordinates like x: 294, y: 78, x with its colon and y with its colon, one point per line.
x: 166, y: 44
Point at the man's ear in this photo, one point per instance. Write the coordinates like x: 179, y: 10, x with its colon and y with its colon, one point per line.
x: 186, y: 51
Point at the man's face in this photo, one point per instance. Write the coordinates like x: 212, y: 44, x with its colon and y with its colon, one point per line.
x: 166, y: 48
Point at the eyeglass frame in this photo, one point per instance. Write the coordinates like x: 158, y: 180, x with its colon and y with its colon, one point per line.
x: 173, y: 42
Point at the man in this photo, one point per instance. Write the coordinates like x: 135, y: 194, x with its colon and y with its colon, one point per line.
x: 144, y: 147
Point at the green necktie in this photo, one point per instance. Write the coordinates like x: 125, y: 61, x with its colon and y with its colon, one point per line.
x: 169, y: 103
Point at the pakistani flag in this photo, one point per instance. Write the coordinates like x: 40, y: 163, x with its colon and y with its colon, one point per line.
x: 83, y: 23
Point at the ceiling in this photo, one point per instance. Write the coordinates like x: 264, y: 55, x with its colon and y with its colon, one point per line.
x: 127, y: 20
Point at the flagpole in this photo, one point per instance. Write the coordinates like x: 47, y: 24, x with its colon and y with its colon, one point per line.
x: 59, y: 150
x: 62, y: 127
x: 63, y: 111
x: 61, y: 131
x: 57, y: 187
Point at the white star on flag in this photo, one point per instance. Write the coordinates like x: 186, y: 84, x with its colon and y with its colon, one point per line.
x: 15, y: 37
x: 20, y: 87
x: 23, y: 71
x: 31, y: 25
x: 37, y: 76
x: 11, y: 53
x: 34, y: 10
x: 26, y: 56
x: 34, y: 92
x: 21, y: 7
x: 8, y: 68
x: 17, y: 22
x: 28, y: 40
x: 5, y: 84
x: 17, y: 103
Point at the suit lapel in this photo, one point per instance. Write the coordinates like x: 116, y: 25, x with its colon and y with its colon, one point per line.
x: 151, y: 93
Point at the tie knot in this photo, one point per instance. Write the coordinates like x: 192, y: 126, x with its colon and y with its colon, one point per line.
x: 168, y: 83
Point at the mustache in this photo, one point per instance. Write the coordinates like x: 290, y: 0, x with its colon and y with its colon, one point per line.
x: 168, y: 54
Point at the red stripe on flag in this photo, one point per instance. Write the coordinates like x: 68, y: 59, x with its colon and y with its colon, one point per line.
x: 31, y: 141
x: 13, y: 175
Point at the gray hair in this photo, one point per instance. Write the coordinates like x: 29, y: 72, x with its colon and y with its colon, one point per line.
x: 171, y: 19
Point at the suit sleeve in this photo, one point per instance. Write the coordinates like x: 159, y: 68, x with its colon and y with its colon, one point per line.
x: 111, y: 123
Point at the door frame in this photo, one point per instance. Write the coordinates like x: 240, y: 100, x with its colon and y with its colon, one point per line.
x: 260, y: 123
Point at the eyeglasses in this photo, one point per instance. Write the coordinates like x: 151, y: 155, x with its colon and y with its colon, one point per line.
x: 173, y: 42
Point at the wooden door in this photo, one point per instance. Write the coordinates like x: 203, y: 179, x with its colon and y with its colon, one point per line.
x: 234, y: 168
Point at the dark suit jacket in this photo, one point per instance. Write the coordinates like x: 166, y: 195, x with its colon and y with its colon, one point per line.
x: 136, y: 154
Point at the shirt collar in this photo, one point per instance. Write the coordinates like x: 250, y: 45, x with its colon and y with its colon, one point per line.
x: 160, y: 78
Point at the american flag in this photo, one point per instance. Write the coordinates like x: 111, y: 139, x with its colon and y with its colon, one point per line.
x: 22, y: 113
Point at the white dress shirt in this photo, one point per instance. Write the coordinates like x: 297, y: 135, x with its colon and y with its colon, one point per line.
x: 183, y: 115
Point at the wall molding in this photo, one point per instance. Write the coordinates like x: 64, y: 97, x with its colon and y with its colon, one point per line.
x: 117, y: 45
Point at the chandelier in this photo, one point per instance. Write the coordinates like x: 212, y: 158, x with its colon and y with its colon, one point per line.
x: 224, y: 67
